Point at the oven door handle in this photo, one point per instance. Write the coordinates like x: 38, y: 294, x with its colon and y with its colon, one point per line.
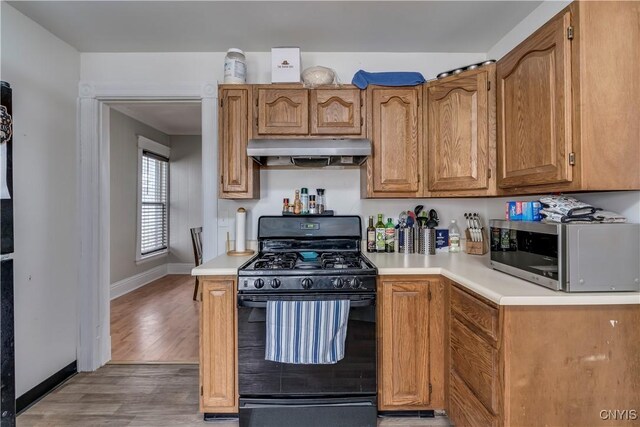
x: 356, y: 302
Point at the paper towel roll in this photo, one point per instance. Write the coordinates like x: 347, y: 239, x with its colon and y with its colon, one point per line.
x: 241, y: 223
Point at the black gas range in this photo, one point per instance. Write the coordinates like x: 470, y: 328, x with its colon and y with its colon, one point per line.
x: 307, y: 259
x: 318, y: 254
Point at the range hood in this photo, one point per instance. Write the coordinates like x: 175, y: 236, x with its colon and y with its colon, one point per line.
x: 309, y: 152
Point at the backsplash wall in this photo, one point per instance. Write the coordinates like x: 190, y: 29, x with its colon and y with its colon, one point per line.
x: 343, y: 195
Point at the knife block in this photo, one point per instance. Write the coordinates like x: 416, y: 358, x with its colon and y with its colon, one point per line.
x: 476, y: 248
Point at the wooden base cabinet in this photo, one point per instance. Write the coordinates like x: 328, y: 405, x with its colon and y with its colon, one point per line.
x: 568, y: 103
x: 410, y: 343
x: 218, y: 344
x: 541, y: 365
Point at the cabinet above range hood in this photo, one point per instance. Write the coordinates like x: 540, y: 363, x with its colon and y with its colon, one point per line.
x: 309, y: 152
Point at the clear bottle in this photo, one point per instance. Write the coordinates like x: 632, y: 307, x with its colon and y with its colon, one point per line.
x: 297, y: 204
x: 304, y: 199
x: 390, y: 236
x: 454, y: 237
x: 371, y: 236
x: 380, y: 234
x: 285, y: 205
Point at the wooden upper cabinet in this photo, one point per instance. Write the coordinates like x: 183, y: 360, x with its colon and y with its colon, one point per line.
x: 403, y: 381
x: 239, y: 175
x: 218, y: 365
x: 283, y: 111
x: 460, y: 133
x: 394, y: 120
x: 535, y: 108
x: 336, y: 112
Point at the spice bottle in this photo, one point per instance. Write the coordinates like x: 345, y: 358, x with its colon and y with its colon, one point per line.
x: 285, y: 205
x: 320, y: 200
x: 312, y: 204
x: 304, y: 199
x: 297, y: 204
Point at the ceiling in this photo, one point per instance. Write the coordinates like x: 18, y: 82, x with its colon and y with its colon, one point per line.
x: 256, y: 26
x: 171, y: 118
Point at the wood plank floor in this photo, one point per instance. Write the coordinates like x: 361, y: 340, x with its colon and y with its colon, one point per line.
x: 142, y: 395
x: 156, y: 323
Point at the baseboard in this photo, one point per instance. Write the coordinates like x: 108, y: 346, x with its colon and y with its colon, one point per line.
x: 129, y: 284
x: 42, y: 389
x: 180, y: 268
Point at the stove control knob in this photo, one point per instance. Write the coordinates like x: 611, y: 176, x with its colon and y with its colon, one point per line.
x: 259, y: 283
x: 275, y: 283
x: 356, y: 283
x: 338, y: 283
x: 307, y: 283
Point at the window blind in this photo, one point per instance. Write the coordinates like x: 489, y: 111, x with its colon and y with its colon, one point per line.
x: 154, y: 218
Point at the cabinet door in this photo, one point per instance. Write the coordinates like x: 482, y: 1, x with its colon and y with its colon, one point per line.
x: 336, y: 112
x: 403, y: 381
x: 534, y: 109
x: 394, y: 127
x: 239, y: 175
x: 283, y: 111
x: 218, y: 347
x: 461, y: 131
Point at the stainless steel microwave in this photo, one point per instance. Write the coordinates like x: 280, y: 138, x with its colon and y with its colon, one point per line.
x: 569, y: 257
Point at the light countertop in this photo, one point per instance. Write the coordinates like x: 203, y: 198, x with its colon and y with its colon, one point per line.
x: 470, y: 271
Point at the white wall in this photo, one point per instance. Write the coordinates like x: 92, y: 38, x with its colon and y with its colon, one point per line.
x: 526, y: 27
x: 185, y: 192
x: 208, y: 66
x: 124, y: 133
x: 44, y: 73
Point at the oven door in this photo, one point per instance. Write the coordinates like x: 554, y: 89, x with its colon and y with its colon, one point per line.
x: 353, y: 376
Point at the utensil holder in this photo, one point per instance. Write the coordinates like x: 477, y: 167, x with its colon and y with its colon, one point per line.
x: 427, y: 241
x: 476, y: 248
x: 406, y: 240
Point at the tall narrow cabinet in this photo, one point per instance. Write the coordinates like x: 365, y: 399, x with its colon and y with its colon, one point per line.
x: 239, y: 174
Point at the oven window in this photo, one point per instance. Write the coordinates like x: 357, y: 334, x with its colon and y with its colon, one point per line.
x: 354, y: 375
x: 533, y: 252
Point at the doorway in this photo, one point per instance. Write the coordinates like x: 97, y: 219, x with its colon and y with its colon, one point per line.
x: 155, y: 198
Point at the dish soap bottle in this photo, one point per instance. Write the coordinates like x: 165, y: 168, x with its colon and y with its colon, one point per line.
x: 454, y: 237
x: 380, y: 235
x: 390, y: 235
x: 371, y: 236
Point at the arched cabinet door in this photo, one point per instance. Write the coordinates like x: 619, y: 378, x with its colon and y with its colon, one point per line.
x: 283, y: 111
x: 460, y: 123
x: 535, y: 109
x: 393, y: 170
x: 336, y: 112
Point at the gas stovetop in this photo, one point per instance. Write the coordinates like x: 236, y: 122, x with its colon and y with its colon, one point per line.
x: 327, y: 262
x: 299, y: 254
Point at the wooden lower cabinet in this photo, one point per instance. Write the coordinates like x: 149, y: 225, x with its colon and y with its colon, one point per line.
x: 410, y: 343
x: 218, y: 343
x: 540, y: 365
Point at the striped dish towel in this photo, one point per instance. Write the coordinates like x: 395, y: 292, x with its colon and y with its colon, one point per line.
x: 306, y: 332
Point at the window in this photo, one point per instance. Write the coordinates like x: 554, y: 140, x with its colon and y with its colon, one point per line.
x: 153, y: 199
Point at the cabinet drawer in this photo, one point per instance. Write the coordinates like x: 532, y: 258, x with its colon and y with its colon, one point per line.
x: 481, y: 315
x: 465, y: 409
x: 475, y: 362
